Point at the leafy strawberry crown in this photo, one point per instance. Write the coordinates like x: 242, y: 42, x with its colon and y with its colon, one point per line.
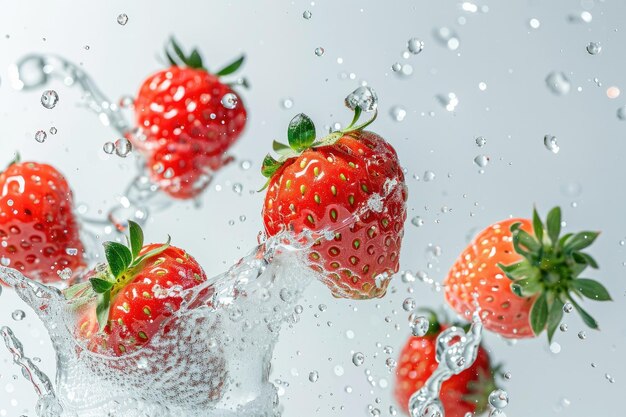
x: 123, y: 264
x: 477, y: 390
x: 176, y: 57
x: 301, y: 136
x: 550, y: 271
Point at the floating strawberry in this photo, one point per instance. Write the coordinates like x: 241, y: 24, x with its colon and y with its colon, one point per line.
x: 137, y: 290
x: 524, y: 275
x: 38, y: 230
x: 351, y: 183
x: 187, y: 105
x: 467, y: 392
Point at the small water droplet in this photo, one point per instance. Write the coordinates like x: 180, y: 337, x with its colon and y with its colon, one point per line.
x: 507, y: 375
x: 286, y: 103
x: 594, y: 48
x: 397, y: 113
x: 415, y: 46
x: 568, y: 307
x: 558, y: 83
x: 358, y: 359
x: 319, y: 51
x: 122, y: 147
x: 87, y: 47
x: 621, y: 113
x: 313, y: 376
x: 429, y: 176
x: 551, y: 143
x: 238, y: 188
x: 363, y: 97
x: 229, y: 101
x: 108, y: 147
x: 534, y: 23
x: 419, y: 325
x: 307, y: 14
x: 53, y: 130
x: 41, y: 136
x: 481, y: 141
x: 49, y: 99
x: 245, y: 164
x: 499, y: 398
x: 5, y: 261
x: 18, y: 315
x: 396, y: 67
x: 65, y: 274
x: 449, y: 101
x: 122, y: 19
x: 409, y: 304
x: 71, y: 251
x: 563, y: 327
x: 609, y: 378
x: 582, y: 335
x: 481, y: 160
x: 417, y: 221
x: 447, y: 37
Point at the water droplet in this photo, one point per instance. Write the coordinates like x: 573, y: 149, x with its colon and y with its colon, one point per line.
x: 397, y: 113
x: 609, y: 378
x: 358, y: 359
x: 429, y: 176
x: 594, y: 48
x: 482, y: 86
x: 449, y: 101
x: 417, y: 221
x: 495, y: 412
x: 53, y: 130
x: 555, y: 347
x: 229, y: 101
x: 447, y: 37
x: 286, y: 103
x: 534, y: 23
x: 87, y: 47
x: 582, y: 335
x: 108, y: 147
x: 621, y: 113
x: 415, y: 46
x: 558, y: 83
x: 563, y: 327
x: 363, y: 97
x: 499, y: 398
x: 122, y: 18
x: 18, y: 315
x: 41, y: 136
x: 126, y: 102
x: 4, y: 261
x: 246, y: 164
x: 122, y: 147
x: 65, y: 274
x: 319, y: 51
x: 409, y: 304
x: 49, y: 99
x: 285, y: 295
x: 481, y: 160
x: 507, y: 375
x: 419, y: 325
x: 396, y: 67
x: 551, y: 143
x: 568, y: 307
x: 307, y: 15
x: 238, y: 188
x: 580, y: 17
x: 313, y: 376
x: 71, y: 251
x: 481, y: 141
x: 391, y: 364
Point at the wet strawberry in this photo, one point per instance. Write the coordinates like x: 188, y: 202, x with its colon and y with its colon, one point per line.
x: 137, y: 290
x: 350, y: 183
x: 467, y: 392
x: 187, y: 108
x: 524, y: 274
x: 38, y: 230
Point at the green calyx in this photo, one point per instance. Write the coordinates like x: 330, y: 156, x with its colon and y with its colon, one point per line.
x: 176, y: 57
x: 122, y: 265
x: 301, y: 137
x: 550, y: 271
x: 479, y: 390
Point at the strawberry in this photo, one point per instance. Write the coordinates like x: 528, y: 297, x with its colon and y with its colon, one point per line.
x: 349, y: 183
x: 523, y: 275
x: 39, y: 233
x: 187, y: 105
x: 467, y: 392
x: 137, y: 290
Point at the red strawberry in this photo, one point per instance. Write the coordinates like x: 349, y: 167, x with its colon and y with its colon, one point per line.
x: 350, y: 183
x: 523, y: 274
x: 467, y: 392
x: 137, y: 290
x: 188, y: 106
x: 38, y: 230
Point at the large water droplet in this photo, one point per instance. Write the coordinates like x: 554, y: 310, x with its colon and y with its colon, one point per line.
x: 409, y: 304
x: 229, y: 101
x: 364, y: 98
x: 419, y: 325
x: 558, y: 83
x: 49, y: 99
x: 551, y: 143
x: 18, y: 315
x: 499, y: 398
x: 594, y: 48
x: 415, y: 46
x: 123, y: 147
x: 358, y: 359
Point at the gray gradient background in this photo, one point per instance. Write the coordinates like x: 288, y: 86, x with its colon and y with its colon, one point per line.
x: 514, y: 113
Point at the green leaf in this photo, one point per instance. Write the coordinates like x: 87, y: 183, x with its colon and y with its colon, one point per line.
x: 539, y: 314
x: 527, y: 240
x: 232, y: 67
x: 100, y: 286
x: 537, y: 226
x: 278, y: 147
x: 554, y: 224
x: 301, y: 132
x: 177, y: 50
x: 589, y: 321
x: 102, y: 309
x: 328, y: 140
x: 194, y: 60
x: 592, y: 289
x: 581, y: 241
x: 118, y: 257
x: 153, y: 252
x: 581, y: 257
x: 270, y: 166
x: 564, y: 239
x: 170, y: 59
x: 136, y: 238
x: 555, y: 315
x: 526, y: 287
